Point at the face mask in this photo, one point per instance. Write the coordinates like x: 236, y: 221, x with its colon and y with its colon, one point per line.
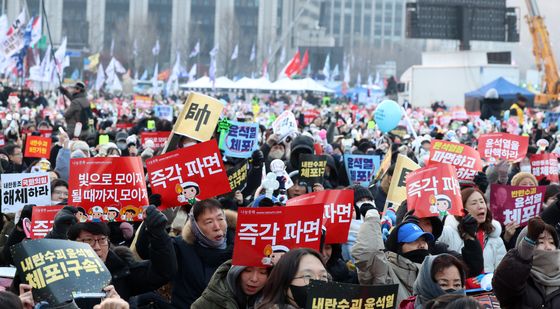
x: 300, y: 295
x: 122, y: 146
x: 276, y: 154
x: 416, y: 256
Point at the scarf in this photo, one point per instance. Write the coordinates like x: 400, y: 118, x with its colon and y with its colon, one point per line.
x: 203, y: 240
x: 425, y: 288
x: 546, y: 269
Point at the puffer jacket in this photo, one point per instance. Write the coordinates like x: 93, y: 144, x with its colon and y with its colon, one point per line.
x: 377, y: 266
x: 220, y: 293
x: 513, y: 284
x: 73, y: 112
x: 493, y: 250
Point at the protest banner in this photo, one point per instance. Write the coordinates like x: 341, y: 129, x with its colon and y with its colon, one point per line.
x: 42, y: 220
x: 159, y: 138
x: 516, y: 203
x: 434, y: 191
x: 240, y: 139
x: 551, y: 117
x: 164, y: 112
x: 325, y: 295
x: 545, y: 166
x: 312, y: 168
x: 285, y: 124
x: 361, y: 168
x: 260, y: 231
x: 186, y: 175
x: 309, y: 115
x: 199, y: 117
x: 107, y: 187
x: 465, y: 159
x: 142, y: 102
x: 397, y: 188
x: 337, y: 215
x: 237, y: 176
x: 46, y: 133
x: 19, y: 190
x: 503, y: 146
x: 37, y: 147
x: 56, y: 269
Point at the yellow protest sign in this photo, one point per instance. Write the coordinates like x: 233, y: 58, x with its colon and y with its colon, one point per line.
x: 397, y: 189
x: 385, y: 164
x: 199, y: 117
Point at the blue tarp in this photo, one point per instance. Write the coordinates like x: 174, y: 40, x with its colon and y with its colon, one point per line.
x: 506, y: 90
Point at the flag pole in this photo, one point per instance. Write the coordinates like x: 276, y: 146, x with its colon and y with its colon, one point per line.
x: 50, y: 40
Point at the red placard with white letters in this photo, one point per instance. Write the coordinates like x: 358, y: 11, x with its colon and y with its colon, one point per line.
x: 503, y: 146
x: 464, y: 158
x: 337, y: 215
x: 545, y: 166
x: 159, y: 138
x: 186, y: 175
x: 434, y: 191
x: 42, y: 220
x: 262, y: 232
x: 104, y: 185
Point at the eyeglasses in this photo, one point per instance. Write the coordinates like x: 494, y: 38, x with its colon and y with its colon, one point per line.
x: 58, y: 192
x: 307, y: 278
x: 103, y: 241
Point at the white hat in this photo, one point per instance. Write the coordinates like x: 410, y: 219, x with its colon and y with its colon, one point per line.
x: 97, y: 209
x: 112, y: 209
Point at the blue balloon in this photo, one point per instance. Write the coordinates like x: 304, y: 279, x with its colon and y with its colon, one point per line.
x: 388, y: 115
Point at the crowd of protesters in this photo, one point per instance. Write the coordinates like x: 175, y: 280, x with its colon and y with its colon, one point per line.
x: 180, y: 257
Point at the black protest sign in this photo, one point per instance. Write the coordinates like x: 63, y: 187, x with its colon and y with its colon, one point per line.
x: 312, y: 168
x: 323, y: 295
x: 237, y: 176
x: 56, y: 269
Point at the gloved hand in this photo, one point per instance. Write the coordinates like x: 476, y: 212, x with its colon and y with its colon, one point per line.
x: 481, y: 181
x: 155, y: 199
x: 535, y: 228
x: 257, y: 158
x: 63, y: 220
x: 155, y: 220
x: 365, y: 207
x: 127, y: 230
x: 25, y: 213
x: 411, y: 218
x: 469, y: 225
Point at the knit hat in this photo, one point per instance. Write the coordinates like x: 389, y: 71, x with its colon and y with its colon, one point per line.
x: 360, y: 193
x: 516, y: 180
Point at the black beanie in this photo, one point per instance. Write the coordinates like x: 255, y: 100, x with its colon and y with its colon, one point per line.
x: 360, y: 193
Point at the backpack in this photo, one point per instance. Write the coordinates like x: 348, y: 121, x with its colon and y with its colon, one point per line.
x: 86, y: 118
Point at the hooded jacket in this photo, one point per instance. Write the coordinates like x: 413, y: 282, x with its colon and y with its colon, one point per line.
x: 513, y: 283
x: 301, y: 144
x: 338, y: 269
x: 223, y: 291
x: 197, y: 264
x: 72, y: 113
x: 376, y: 265
x: 493, y: 250
x: 425, y: 288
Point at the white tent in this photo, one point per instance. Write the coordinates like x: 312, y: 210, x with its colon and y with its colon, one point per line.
x: 306, y: 84
x: 253, y: 83
x: 311, y: 85
x: 223, y: 82
x: 203, y: 82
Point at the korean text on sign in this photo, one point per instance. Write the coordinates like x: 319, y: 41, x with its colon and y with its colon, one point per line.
x: 337, y: 215
x: 237, y: 176
x: 240, y: 140
x: 37, y: 147
x: 465, y: 159
x: 188, y: 174
x: 503, y: 146
x: 199, y: 117
x: 516, y: 203
x: 545, y: 166
x: 324, y: 295
x: 42, y: 220
x: 312, y: 168
x: 261, y: 230
x: 21, y: 189
x: 159, y: 138
x: 361, y: 168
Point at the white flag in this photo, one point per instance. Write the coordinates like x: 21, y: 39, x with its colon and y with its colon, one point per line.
x: 214, y: 51
x: 135, y: 48
x: 192, y: 73
x: 155, y: 49
x: 359, y: 80
x: 112, y: 46
x: 116, y: 86
x: 13, y: 42
x: 177, y: 67
x: 118, y: 66
x: 369, y: 81
x: 100, y: 77
x: 283, y: 55
x: 155, y: 80
x: 195, y: 50
x: 36, y: 30
x: 347, y: 74
x: 144, y: 75
x: 60, y: 57
x: 235, y: 52
x: 335, y: 72
x: 327, y: 67
x: 253, y: 54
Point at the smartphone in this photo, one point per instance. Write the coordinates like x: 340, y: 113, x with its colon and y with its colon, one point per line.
x: 78, y: 129
x: 88, y: 300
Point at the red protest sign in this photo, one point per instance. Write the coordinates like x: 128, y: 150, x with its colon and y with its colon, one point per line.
x: 434, y: 191
x: 464, y: 158
x: 516, y: 203
x: 310, y: 115
x: 46, y: 133
x: 109, y: 189
x: 37, y: 147
x: 262, y: 231
x: 42, y: 220
x: 545, y: 166
x: 186, y: 175
x: 503, y: 146
x: 337, y: 214
x: 142, y: 102
x: 125, y: 125
x: 159, y: 138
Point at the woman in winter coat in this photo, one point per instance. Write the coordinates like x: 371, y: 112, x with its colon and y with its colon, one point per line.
x: 233, y: 287
x: 440, y: 274
x: 476, y: 224
x: 396, y: 262
x: 529, y: 275
x: 286, y: 287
